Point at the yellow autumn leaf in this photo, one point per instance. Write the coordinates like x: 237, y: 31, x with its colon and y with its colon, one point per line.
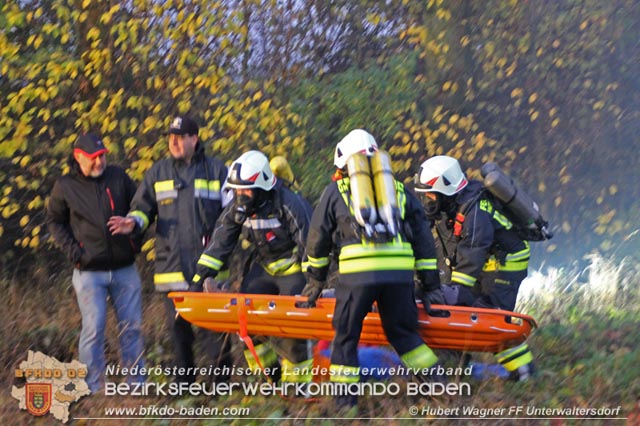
x: 613, y: 189
x: 533, y: 98
x: 24, y: 221
x: 35, y: 242
x: 446, y: 86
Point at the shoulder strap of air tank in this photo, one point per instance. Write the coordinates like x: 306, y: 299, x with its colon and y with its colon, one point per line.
x: 463, y: 210
x: 345, y: 191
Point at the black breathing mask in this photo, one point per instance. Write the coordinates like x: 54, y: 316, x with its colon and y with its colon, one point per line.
x: 433, y: 207
x: 246, y: 200
x: 248, y: 204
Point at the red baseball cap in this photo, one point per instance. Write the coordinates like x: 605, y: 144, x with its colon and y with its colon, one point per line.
x: 90, y: 145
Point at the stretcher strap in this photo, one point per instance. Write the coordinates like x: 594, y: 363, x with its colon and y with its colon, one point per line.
x: 244, y: 335
x: 242, y: 321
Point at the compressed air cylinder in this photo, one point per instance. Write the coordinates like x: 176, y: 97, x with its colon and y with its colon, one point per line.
x: 518, y: 202
x: 385, y: 189
x: 362, y: 195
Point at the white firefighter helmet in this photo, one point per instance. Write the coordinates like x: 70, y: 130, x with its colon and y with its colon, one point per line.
x: 251, y: 170
x: 356, y: 141
x: 440, y: 174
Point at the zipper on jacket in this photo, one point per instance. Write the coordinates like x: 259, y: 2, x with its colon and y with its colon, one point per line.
x: 105, y: 229
x: 113, y: 206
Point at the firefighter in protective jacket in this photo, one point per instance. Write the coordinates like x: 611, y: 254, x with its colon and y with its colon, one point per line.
x: 182, y: 194
x: 275, y: 221
x: 369, y: 272
x: 484, y: 258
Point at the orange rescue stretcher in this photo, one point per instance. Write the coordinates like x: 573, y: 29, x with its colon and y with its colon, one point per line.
x: 458, y: 328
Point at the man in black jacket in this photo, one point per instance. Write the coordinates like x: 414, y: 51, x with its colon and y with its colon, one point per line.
x: 80, y: 205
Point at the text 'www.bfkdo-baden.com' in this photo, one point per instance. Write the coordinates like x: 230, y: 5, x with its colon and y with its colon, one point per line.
x: 167, y: 411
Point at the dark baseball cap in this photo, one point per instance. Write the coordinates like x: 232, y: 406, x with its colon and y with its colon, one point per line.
x: 183, y: 126
x: 90, y: 145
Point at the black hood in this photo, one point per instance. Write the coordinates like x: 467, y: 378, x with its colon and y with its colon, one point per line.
x: 473, y: 188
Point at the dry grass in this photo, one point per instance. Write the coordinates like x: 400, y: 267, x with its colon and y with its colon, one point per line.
x: 586, y: 349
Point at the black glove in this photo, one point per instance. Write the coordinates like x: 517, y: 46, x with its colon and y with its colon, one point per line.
x: 202, y: 273
x: 312, y: 290
x: 436, y: 297
x: 433, y: 297
x: 195, y: 288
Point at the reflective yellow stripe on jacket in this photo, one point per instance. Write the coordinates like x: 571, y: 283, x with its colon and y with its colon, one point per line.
x: 206, y: 189
x: 518, y: 261
x: 464, y: 279
x: 165, y: 189
x: 318, y: 262
x: 282, y: 267
x: 366, y: 257
x: 140, y: 218
x: 514, y: 262
x: 426, y: 264
x: 210, y: 262
x: 170, y: 281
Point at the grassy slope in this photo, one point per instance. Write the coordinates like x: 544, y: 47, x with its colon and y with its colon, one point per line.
x: 586, y: 349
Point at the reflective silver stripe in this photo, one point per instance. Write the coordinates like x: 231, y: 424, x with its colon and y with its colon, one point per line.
x: 460, y: 278
x: 423, y: 264
x: 209, y: 190
x: 353, y: 251
x: 165, y: 195
x: 318, y: 262
x: 521, y: 255
x: 210, y: 262
x: 263, y: 223
x: 170, y: 281
x: 208, y: 195
x: 165, y: 189
x: 141, y: 219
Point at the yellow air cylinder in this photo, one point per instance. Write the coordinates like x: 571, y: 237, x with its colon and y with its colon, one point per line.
x: 362, y: 195
x: 385, y: 190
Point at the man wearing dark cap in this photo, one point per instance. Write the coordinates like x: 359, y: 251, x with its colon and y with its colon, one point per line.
x: 182, y: 194
x: 80, y: 205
